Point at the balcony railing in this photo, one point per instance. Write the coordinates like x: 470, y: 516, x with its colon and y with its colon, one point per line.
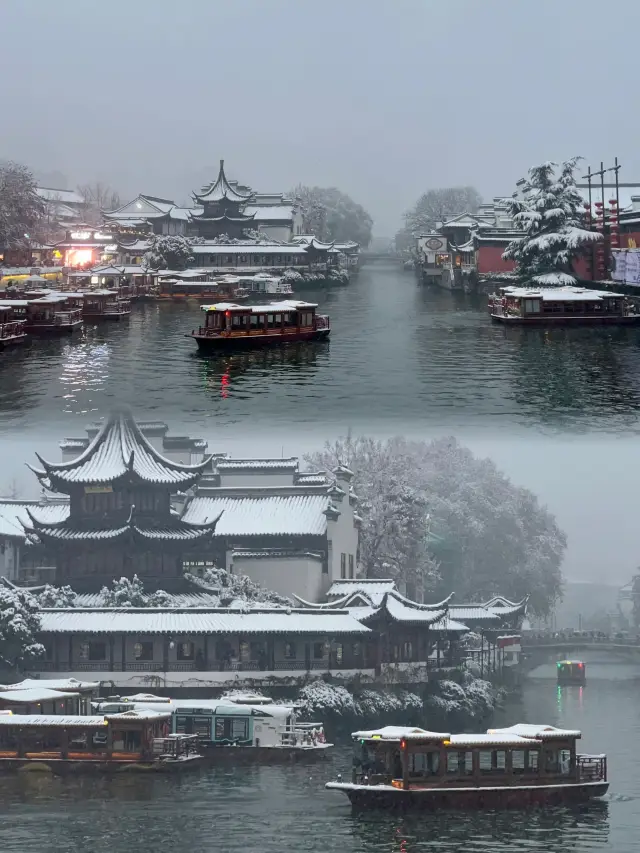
x: 322, y: 321
x: 67, y: 318
x: 12, y: 330
x: 592, y: 768
x: 190, y: 666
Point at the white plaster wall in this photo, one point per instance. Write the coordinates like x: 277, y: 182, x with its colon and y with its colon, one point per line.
x: 9, y: 558
x: 287, y: 575
x: 343, y: 535
x: 282, y: 233
x: 265, y: 478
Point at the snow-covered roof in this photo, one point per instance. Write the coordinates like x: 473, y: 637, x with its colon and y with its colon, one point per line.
x: 472, y: 613
x: 403, y: 610
x: 287, y: 305
x: 530, y: 730
x: 257, y: 464
x: 46, y: 720
x: 222, y: 190
x: 446, y: 624
x: 267, y: 515
x: 138, y: 714
x: 491, y: 738
x: 311, y: 479
x: 197, y: 621
x: 34, y: 695
x: 120, y: 449
x: 64, y: 684
x: 65, y: 196
x: 270, y: 213
x: 398, y: 733
x: 252, y: 249
x: 373, y: 588
x: 559, y: 294
x: 14, y: 514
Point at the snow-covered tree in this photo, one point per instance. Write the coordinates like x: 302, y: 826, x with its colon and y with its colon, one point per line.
x: 21, y: 208
x: 54, y: 596
x: 239, y: 588
x: 330, y: 214
x: 550, y: 211
x: 494, y: 536
x: 168, y: 252
x: 19, y: 626
x: 130, y: 593
x: 436, y: 205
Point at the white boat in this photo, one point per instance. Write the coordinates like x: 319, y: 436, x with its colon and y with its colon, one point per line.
x: 235, y: 723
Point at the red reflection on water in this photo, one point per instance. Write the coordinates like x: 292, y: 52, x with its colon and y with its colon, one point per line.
x: 225, y: 381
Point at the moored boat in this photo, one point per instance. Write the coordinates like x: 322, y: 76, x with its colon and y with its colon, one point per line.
x: 105, y: 305
x: 571, y: 672
x: 561, y: 306
x: 49, y: 314
x: 133, y: 740
x: 401, y: 767
x: 234, y: 727
x: 228, y: 325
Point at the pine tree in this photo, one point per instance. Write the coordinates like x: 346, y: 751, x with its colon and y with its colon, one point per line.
x: 549, y: 211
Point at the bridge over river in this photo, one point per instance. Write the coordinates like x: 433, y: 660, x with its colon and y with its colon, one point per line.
x: 605, y: 651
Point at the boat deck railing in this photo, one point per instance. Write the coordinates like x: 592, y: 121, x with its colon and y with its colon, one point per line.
x: 13, y: 329
x: 592, y: 768
x: 322, y: 321
x: 67, y: 318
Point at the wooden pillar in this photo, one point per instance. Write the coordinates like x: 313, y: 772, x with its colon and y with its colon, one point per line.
x: 271, y: 653
x: 206, y: 651
x: 404, y: 758
x: 64, y: 743
x: 165, y: 654
x: 438, y: 651
x: 70, y: 650
x: 123, y: 651
x: 111, y: 650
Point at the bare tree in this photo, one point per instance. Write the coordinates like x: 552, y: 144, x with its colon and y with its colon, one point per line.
x: 97, y: 198
x: 436, y: 205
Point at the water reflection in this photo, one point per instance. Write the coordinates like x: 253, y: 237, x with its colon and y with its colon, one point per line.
x: 544, y: 830
x: 244, y: 374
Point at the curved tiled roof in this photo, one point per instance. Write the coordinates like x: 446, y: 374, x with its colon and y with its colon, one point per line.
x: 266, y: 515
x: 221, y: 190
x: 120, y: 450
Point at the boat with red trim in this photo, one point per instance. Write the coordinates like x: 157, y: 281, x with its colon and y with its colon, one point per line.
x: 228, y: 325
x: 561, y: 306
x: 400, y: 767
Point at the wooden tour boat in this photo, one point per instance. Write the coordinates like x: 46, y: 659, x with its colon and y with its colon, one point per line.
x: 134, y: 740
x: 228, y: 325
x: 397, y: 767
x: 561, y: 306
x: 12, y: 331
x: 571, y: 672
x: 48, y: 314
x: 105, y: 305
x: 242, y: 728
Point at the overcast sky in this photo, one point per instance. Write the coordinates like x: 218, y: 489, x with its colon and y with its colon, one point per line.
x: 381, y: 99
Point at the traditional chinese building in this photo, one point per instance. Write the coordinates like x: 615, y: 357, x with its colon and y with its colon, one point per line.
x: 120, y: 520
x: 222, y: 207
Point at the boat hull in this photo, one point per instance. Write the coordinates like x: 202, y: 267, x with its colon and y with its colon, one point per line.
x: 364, y: 797
x: 63, y: 767
x: 565, y: 320
x: 264, y: 754
x: 13, y: 341
x: 220, y: 344
x: 54, y: 331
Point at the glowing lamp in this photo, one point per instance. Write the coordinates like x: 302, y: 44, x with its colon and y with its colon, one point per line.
x: 227, y: 313
x: 403, y: 744
x: 375, y: 737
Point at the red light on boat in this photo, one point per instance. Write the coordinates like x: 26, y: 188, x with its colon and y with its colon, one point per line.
x: 403, y: 744
x: 580, y: 665
x: 227, y: 313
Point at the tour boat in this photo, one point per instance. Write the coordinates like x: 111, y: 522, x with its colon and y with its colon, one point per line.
x: 236, y: 727
x: 133, y: 740
x: 51, y: 314
x: 105, y: 305
x: 398, y: 767
x: 561, y: 306
x: 571, y: 672
x: 228, y: 325
x: 12, y: 331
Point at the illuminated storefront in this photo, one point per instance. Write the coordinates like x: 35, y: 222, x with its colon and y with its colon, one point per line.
x: 83, y: 249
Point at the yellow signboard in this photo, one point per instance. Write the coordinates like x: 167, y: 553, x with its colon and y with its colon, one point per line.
x: 98, y: 490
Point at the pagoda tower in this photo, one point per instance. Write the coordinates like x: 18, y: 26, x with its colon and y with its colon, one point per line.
x: 120, y: 521
x: 222, y: 203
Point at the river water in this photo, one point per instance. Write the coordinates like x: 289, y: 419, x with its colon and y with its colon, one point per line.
x: 284, y: 809
x: 399, y: 353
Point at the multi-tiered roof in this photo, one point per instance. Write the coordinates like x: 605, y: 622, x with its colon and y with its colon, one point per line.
x: 222, y: 201
x: 121, y: 460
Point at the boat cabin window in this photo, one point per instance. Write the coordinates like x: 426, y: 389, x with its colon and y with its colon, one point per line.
x: 532, y: 306
x: 524, y: 760
x: 424, y: 763
x: 459, y: 762
x: 564, y: 761
x: 194, y: 725
x: 490, y: 760
x: 256, y: 320
x: 232, y: 728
